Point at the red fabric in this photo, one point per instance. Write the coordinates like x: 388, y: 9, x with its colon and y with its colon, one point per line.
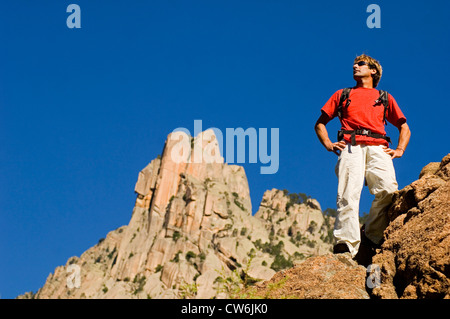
x: 362, y: 114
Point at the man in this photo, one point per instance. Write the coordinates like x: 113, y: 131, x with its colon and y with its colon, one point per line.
x: 364, y: 155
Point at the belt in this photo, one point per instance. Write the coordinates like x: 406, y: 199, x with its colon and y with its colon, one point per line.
x: 364, y: 132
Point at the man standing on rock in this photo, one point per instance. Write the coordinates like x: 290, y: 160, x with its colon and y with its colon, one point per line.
x: 364, y: 154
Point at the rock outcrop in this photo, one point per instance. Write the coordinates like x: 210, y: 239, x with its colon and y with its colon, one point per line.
x: 192, y: 225
x: 415, y: 256
x: 413, y: 261
x: 322, y: 277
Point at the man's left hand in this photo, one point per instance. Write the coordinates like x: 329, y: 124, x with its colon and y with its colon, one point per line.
x: 393, y: 153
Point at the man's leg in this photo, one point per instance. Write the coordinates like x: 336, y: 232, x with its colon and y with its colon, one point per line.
x: 350, y: 172
x: 380, y: 176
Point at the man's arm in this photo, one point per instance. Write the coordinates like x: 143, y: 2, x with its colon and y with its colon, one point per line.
x: 322, y: 134
x: 403, y: 141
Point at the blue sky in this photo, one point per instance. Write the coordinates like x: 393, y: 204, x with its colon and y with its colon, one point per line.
x: 82, y: 111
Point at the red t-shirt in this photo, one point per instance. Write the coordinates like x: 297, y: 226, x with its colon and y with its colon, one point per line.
x: 363, y: 114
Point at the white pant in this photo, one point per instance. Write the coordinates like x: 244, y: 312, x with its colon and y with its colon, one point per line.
x: 355, y: 164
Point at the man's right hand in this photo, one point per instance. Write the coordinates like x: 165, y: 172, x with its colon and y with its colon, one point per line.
x: 322, y: 134
x: 336, y: 147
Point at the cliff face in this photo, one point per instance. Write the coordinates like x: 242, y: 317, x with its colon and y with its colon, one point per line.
x: 190, y: 229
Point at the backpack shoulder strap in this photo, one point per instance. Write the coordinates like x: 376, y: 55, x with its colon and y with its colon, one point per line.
x: 344, y: 96
x: 384, y: 99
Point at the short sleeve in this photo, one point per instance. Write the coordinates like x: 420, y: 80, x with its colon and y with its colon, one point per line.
x: 394, y: 115
x: 330, y: 108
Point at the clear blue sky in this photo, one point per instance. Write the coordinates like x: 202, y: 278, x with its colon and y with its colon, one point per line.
x: 82, y: 111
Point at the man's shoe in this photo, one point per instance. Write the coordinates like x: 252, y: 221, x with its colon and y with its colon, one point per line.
x: 367, y: 249
x: 364, y: 255
x: 367, y: 242
x: 340, y: 248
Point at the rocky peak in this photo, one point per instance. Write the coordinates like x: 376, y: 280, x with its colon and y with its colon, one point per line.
x: 298, y: 221
x: 191, y: 227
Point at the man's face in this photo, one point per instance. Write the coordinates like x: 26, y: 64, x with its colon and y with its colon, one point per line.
x: 361, y: 69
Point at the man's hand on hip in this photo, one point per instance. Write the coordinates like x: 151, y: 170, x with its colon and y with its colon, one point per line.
x: 336, y: 147
x: 397, y: 153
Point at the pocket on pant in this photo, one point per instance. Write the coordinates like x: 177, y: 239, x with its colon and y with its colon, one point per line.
x: 336, y: 168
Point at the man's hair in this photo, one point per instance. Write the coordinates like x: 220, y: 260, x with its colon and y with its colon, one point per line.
x: 373, y: 64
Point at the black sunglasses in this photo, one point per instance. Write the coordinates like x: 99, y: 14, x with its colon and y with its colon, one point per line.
x: 361, y: 63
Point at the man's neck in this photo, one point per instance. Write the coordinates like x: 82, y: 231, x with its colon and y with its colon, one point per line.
x: 364, y: 83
